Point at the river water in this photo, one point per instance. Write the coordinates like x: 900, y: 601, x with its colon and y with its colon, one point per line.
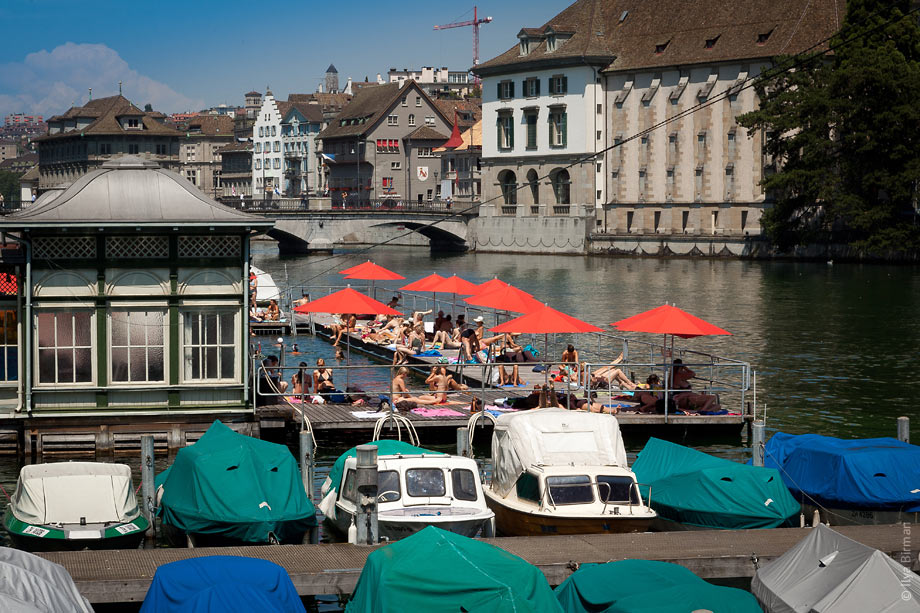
x: 834, y: 346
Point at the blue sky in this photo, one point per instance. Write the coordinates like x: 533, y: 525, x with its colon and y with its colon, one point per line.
x: 186, y: 55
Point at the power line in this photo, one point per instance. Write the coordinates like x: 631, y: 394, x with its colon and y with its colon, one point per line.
x: 795, y: 61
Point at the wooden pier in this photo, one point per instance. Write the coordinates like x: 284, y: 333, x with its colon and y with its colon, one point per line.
x: 124, y: 575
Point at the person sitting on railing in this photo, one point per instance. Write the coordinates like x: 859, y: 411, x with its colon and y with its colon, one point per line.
x: 684, y: 397
x: 273, y: 313
x: 300, y: 383
x: 322, y: 377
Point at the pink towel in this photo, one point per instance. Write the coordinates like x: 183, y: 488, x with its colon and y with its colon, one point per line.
x: 426, y: 412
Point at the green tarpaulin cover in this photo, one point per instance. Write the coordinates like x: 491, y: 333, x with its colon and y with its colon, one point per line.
x: 384, y: 447
x: 645, y: 586
x: 697, y: 489
x: 434, y: 570
x: 237, y: 486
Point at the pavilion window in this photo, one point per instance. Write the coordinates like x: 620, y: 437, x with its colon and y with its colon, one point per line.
x: 9, y: 344
x: 137, y: 346
x: 209, y: 345
x: 65, y: 350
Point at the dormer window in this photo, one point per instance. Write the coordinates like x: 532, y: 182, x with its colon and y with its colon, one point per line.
x: 525, y: 46
x: 762, y: 38
x: 711, y: 42
x: 660, y: 47
x: 132, y: 123
x: 550, y: 44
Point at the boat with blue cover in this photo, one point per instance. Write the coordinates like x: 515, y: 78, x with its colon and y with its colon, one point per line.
x: 859, y: 481
x: 231, y: 489
x: 696, y: 491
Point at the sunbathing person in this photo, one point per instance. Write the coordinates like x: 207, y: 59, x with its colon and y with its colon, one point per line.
x: 322, y: 377
x: 300, y: 383
x: 648, y: 399
x: 350, y: 323
x: 273, y: 313
x: 684, y: 397
x: 400, y: 391
x: 419, y: 316
x: 470, y: 345
x: 591, y: 404
x: 414, y: 343
x: 514, y: 378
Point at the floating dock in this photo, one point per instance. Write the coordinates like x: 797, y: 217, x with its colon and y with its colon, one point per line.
x: 124, y: 575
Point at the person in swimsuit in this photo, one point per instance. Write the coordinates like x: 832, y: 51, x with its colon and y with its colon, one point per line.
x: 648, y: 399
x: 414, y: 343
x: 514, y: 378
x: 400, y: 391
x: 351, y: 321
x: 684, y: 397
x: 322, y: 377
x: 273, y: 313
x: 611, y: 375
x: 299, y: 382
x: 470, y: 344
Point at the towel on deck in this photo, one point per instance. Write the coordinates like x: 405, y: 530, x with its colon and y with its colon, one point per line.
x: 430, y: 412
x: 370, y: 414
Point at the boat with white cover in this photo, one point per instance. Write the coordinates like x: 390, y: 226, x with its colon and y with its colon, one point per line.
x: 75, y: 505
x: 416, y: 488
x: 562, y: 472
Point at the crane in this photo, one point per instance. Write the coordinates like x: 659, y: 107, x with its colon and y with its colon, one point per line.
x: 475, y: 22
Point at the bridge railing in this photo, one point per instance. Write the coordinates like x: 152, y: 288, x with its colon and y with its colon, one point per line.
x: 292, y: 206
x: 386, y: 204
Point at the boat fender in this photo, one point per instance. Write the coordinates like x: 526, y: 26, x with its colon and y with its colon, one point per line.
x: 352, y: 532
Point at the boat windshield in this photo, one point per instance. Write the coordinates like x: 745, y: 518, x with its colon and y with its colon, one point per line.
x: 570, y: 489
x: 425, y: 482
x: 388, y: 486
x: 464, y: 484
x: 617, y: 489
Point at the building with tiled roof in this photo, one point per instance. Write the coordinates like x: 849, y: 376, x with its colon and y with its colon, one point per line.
x: 236, y: 170
x: 435, y: 81
x: 8, y: 149
x: 381, y: 146
x: 84, y: 137
x: 460, y: 166
x: 199, y: 150
x: 602, y: 71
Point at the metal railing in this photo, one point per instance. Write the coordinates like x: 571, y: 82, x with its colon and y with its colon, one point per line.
x: 594, y: 483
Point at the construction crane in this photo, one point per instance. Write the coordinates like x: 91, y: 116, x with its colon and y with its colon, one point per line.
x: 475, y: 22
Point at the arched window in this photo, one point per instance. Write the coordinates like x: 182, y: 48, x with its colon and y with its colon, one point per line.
x: 411, y: 119
x: 561, y: 183
x: 508, y: 183
x: 533, y: 182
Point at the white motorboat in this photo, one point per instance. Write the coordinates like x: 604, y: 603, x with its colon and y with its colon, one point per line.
x: 416, y: 488
x: 562, y: 472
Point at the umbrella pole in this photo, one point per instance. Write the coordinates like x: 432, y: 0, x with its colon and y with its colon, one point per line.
x: 347, y: 353
x: 546, y: 365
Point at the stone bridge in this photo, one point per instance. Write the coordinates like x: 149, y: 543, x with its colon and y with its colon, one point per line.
x: 310, y: 231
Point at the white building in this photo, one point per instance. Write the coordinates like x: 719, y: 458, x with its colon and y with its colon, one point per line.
x: 267, y: 156
x: 557, y: 104
x: 434, y: 81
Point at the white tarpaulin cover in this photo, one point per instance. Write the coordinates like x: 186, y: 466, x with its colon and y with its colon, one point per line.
x: 552, y: 437
x: 30, y: 584
x: 265, y: 289
x: 64, y: 492
x: 828, y: 573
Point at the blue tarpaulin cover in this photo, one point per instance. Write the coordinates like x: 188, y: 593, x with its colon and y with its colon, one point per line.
x: 221, y: 583
x: 878, y: 473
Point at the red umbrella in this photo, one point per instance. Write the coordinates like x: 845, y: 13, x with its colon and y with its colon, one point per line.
x: 347, y: 301
x: 348, y: 270
x: 546, y: 320
x: 507, y: 298
x: 454, y: 285
x: 424, y: 284
x: 668, y: 319
x: 369, y: 271
x: 492, y: 284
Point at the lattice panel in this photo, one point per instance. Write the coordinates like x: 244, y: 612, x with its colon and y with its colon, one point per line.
x: 65, y: 248
x: 9, y: 285
x: 144, y: 247
x: 209, y: 246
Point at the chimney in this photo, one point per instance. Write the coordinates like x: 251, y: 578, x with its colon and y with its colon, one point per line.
x: 348, y: 87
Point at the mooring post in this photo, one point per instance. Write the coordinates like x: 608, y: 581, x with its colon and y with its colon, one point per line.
x: 904, y: 429
x: 307, y: 474
x: 147, y: 490
x: 757, y: 444
x: 463, y: 443
x: 367, y: 495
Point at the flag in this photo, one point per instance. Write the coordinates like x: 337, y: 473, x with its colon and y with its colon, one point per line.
x: 233, y: 190
x: 277, y: 191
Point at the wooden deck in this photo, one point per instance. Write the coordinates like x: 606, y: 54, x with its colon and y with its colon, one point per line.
x: 125, y: 575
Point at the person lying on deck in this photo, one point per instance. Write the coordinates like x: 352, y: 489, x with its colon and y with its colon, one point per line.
x: 684, y: 397
x: 322, y: 377
x: 400, y: 391
x: 611, y: 375
x: 648, y: 399
x: 591, y: 404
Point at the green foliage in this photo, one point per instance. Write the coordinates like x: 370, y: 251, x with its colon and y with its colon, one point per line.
x: 844, y: 130
x: 9, y: 187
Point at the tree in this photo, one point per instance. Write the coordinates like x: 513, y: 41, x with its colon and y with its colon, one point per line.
x: 844, y: 132
x: 9, y: 187
x: 148, y: 108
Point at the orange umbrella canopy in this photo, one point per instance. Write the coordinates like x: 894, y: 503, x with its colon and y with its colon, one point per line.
x: 424, y: 284
x: 348, y: 271
x: 507, y: 298
x: 346, y: 301
x: 369, y: 271
x: 668, y: 319
x: 454, y: 285
x: 492, y: 284
x: 546, y: 320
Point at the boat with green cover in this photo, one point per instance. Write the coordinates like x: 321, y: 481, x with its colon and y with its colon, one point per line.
x: 692, y: 490
x: 436, y: 570
x: 231, y: 489
x: 647, y: 586
x: 75, y: 505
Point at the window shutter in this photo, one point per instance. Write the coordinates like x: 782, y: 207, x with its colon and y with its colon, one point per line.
x: 498, y: 131
x: 524, y: 92
x: 552, y: 86
x: 565, y: 85
x: 564, y: 135
x: 537, y: 83
x: 511, y: 87
x: 511, y: 131
x: 499, y: 96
